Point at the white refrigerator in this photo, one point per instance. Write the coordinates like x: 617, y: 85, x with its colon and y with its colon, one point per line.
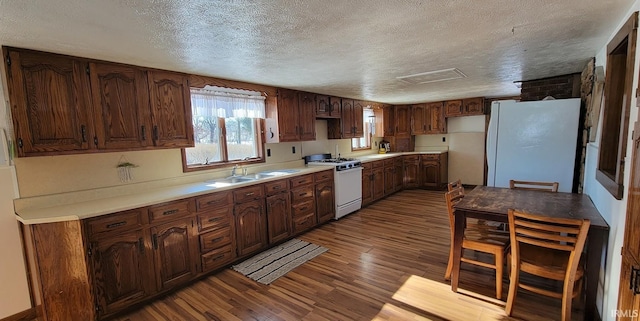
x: 533, y: 141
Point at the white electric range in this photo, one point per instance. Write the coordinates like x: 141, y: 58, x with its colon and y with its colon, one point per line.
x: 347, y: 180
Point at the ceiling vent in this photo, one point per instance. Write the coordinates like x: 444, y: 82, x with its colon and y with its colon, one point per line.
x: 433, y: 76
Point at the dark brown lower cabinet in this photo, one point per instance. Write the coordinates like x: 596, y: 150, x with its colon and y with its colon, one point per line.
x: 325, y: 201
x: 121, y: 271
x: 251, y: 227
x: 389, y: 180
x: 367, y: 184
x: 398, y: 174
x: 411, y: 171
x: 378, y: 183
x: 173, y: 253
x: 279, y: 217
x: 430, y: 174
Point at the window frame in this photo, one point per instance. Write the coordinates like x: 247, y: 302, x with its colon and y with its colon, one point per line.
x: 259, y: 138
x: 616, y: 110
x: 368, y: 136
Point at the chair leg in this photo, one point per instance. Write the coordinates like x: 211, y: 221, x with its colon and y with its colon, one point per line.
x: 447, y: 274
x: 567, y: 298
x: 513, y: 288
x: 499, y: 265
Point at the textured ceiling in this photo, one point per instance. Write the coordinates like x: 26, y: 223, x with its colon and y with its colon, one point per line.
x: 353, y: 49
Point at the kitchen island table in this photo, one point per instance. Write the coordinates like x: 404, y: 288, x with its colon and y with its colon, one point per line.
x: 492, y: 203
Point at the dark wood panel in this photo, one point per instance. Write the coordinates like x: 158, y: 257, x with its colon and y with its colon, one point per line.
x: 325, y: 200
x: 174, y: 255
x: 251, y: 227
x: 170, y: 109
x: 278, y: 217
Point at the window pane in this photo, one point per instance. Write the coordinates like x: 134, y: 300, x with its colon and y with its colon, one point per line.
x: 241, y: 138
x: 206, y: 132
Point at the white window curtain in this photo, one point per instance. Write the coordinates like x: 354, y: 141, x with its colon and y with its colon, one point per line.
x: 216, y: 103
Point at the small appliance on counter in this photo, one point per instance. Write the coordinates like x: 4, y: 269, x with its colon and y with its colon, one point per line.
x: 385, y: 147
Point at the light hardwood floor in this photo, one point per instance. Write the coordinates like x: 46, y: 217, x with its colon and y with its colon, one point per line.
x: 385, y: 262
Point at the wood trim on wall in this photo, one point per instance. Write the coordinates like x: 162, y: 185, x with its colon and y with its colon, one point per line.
x: 26, y: 315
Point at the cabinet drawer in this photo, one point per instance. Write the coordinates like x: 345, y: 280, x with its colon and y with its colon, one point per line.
x: 431, y: 157
x: 217, y: 258
x: 169, y: 211
x: 367, y: 165
x: 303, y: 208
x: 276, y: 187
x: 301, y: 194
x: 215, y: 200
x: 115, y: 222
x: 215, y: 239
x: 301, y: 180
x: 388, y: 162
x: 215, y: 219
x: 304, y: 223
x: 324, y: 176
x: 377, y: 164
x: 411, y: 158
x: 248, y: 193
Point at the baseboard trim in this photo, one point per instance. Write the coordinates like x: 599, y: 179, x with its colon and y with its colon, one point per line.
x: 26, y: 315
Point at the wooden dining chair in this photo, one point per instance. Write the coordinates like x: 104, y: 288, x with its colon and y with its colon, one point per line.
x: 478, y: 237
x: 534, y: 186
x: 455, y: 185
x: 550, y: 248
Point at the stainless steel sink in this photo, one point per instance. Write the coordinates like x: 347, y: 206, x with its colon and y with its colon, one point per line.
x: 221, y: 182
x: 238, y: 179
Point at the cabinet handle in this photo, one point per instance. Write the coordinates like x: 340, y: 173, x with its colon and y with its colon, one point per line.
x: 83, y: 131
x: 302, y: 194
x: 249, y: 194
x: 276, y: 187
x: 217, y: 239
x: 214, y: 219
x: 169, y: 212
x: 143, y: 131
x: 155, y: 241
x: 217, y: 257
x: 303, y: 208
x: 117, y: 224
x: 141, y: 245
x: 155, y: 133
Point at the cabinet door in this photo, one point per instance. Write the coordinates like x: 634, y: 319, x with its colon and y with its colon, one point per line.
x: 411, y: 174
x: 473, y: 106
x: 431, y: 174
x: 120, y: 106
x: 323, y: 107
x: 403, y: 121
x: 358, y: 121
x: 306, y: 120
x: 378, y: 183
x: 367, y: 185
x: 170, y: 109
x: 453, y: 108
x: 628, y: 301
x: 174, y: 250
x: 438, y: 124
x: 49, y: 102
x: 288, y: 115
x: 336, y: 107
x: 251, y: 227
x: 389, y: 120
x: 325, y: 201
x: 398, y: 175
x: 348, y: 120
x: 122, y: 273
x: 418, y: 121
x: 389, y: 180
x: 279, y: 217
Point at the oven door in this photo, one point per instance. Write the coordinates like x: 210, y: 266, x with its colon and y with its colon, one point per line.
x: 348, y: 186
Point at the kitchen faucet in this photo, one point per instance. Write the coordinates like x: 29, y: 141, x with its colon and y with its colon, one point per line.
x: 233, y: 170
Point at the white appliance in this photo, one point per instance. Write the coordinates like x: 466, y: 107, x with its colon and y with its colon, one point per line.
x: 533, y: 141
x: 347, y: 181
x: 14, y: 297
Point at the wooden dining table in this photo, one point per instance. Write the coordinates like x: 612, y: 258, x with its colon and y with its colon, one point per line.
x: 493, y: 204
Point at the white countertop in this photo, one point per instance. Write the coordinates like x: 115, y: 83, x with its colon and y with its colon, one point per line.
x: 83, y: 210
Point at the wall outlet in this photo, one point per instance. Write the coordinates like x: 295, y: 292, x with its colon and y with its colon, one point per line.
x: 293, y: 149
x: 444, y: 139
x: 268, y: 152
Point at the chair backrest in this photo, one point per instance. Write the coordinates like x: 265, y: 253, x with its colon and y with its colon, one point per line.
x: 534, y: 186
x: 550, y: 232
x: 454, y: 185
x: 452, y: 198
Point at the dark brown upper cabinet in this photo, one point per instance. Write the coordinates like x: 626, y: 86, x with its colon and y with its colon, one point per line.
x: 403, y: 120
x: 464, y: 107
x: 120, y: 106
x: 65, y: 105
x: 170, y: 109
x: 49, y: 98
x: 327, y: 107
x: 295, y: 113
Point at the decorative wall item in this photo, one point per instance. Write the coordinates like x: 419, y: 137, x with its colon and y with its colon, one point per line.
x: 125, y: 169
